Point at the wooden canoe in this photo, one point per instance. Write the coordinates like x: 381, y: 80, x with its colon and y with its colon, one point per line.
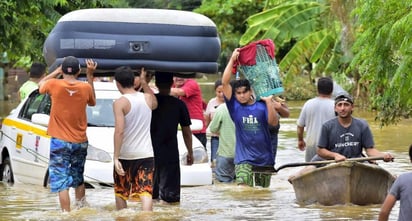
x: 342, y: 183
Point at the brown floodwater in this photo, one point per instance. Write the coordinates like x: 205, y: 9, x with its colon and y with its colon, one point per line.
x: 218, y: 201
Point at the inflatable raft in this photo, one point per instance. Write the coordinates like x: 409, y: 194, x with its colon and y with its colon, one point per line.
x: 157, y: 39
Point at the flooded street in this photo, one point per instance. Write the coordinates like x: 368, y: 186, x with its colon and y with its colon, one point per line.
x: 219, y: 201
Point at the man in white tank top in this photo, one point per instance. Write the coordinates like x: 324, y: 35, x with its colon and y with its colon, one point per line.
x: 133, y: 151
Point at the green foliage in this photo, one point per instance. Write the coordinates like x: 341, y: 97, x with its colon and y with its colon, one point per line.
x: 24, y: 27
x: 187, y: 5
x: 290, y: 20
x: 26, y: 24
x: 383, y: 56
x: 373, y: 47
x: 312, y: 28
x: 301, y: 88
x: 342, y: 80
x: 229, y: 17
x: 307, y: 50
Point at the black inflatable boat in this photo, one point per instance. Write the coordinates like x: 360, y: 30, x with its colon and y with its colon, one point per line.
x: 157, y: 39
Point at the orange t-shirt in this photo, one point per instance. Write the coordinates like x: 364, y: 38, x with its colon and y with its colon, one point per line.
x: 68, y: 119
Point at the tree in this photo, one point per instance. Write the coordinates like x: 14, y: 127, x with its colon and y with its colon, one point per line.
x: 310, y: 30
x: 24, y: 27
x: 368, y: 41
x: 383, y: 56
x: 229, y: 17
x: 187, y: 5
x: 26, y: 24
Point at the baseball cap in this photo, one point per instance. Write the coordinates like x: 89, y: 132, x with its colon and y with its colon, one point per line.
x: 70, y: 65
x: 343, y: 97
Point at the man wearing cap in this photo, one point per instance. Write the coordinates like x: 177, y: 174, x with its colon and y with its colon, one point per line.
x: 346, y: 136
x: 67, y: 128
x: 170, y: 112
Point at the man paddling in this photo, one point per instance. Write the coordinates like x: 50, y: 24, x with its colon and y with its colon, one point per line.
x: 345, y: 136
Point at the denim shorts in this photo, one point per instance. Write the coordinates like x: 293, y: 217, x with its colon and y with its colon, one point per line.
x: 66, y: 164
x: 214, y: 144
x: 225, y: 169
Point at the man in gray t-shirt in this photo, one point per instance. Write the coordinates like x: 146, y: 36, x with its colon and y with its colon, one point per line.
x: 346, y: 136
x: 347, y: 141
x: 314, y: 113
x: 400, y: 190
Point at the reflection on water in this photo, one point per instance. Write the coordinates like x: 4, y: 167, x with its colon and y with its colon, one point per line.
x: 219, y: 201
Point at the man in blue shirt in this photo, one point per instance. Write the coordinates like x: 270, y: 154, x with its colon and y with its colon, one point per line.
x: 252, y: 119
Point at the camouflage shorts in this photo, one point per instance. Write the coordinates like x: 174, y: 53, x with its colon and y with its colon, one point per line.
x: 66, y: 164
x: 244, y: 175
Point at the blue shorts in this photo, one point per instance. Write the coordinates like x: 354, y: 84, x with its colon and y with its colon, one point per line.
x: 66, y: 164
x: 214, y: 144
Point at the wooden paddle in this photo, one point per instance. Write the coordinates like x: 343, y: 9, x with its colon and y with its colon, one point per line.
x: 264, y: 169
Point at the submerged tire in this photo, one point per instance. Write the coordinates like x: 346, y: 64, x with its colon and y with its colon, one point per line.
x: 6, y: 172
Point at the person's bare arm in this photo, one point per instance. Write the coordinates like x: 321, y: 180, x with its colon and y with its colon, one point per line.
x: 208, y: 119
x: 273, y: 118
x: 119, y: 113
x: 54, y: 74
x: 282, y: 109
x: 91, y: 67
x: 227, y: 74
x: 177, y: 92
x: 373, y: 152
x: 386, y: 208
x: 329, y: 155
x: 216, y: 122
x: 187, y: 137
x: 149, y: 95
x: 301, y: 141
